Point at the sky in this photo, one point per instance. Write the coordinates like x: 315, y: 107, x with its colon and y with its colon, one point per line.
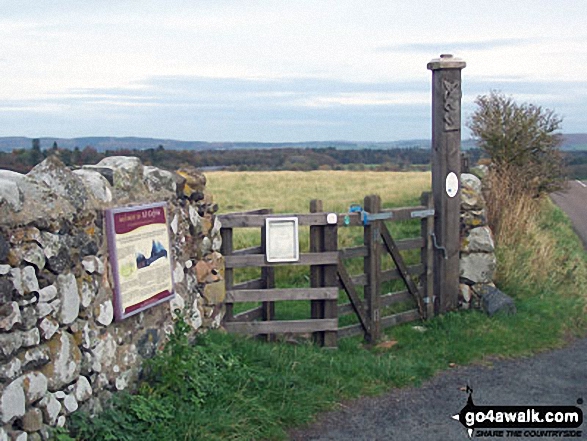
x: 277, y: 70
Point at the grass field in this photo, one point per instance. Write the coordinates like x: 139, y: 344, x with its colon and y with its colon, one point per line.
x: 291, y: 192
x: 228, y: 387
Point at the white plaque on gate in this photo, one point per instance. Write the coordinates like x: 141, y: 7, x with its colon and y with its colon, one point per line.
x: 281, y: 238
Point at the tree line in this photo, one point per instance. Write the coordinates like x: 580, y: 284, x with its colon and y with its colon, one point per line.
x: 302, y: 159
x: 264, y: 159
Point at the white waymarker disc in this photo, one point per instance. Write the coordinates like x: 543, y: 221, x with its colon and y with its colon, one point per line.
x: 452, y: 185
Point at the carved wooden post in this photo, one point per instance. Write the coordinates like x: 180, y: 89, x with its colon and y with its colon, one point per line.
x: 446, y: 167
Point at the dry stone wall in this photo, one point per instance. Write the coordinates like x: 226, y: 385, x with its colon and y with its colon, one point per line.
x: 60, y: 348
x: 477, y: 256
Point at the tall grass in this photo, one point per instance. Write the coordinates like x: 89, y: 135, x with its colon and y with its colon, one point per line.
x: 534, y: 240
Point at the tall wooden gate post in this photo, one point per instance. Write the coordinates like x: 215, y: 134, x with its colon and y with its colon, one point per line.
x: 446, y: 167
x: 372, y: 268
x: 323, y: 238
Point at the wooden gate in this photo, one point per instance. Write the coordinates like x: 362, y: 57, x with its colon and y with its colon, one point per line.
x: 328, y: 273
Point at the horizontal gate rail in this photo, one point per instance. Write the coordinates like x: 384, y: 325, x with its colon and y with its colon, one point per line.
x: 395, y: 297
x: 386, y: 276
x: 283, y: 326
x: 247, y: 251
x: 250, y: 315
x: 253, y: 219
x: 249, y: 284
x: 350, y: 331
x: 399, y: 318
x: 258, y: 220
x: 272, y: 295
x: 259, y: 260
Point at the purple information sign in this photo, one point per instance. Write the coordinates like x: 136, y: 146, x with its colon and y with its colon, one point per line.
x: 140, y: 257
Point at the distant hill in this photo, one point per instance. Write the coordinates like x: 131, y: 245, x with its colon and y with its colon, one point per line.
x: 572, y: 142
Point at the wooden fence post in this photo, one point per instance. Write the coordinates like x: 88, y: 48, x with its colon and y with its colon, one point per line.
x: 226, y: 250
x: 268, y: 282
x: 372, y: 269
x: 446, y: 166
x: 323, y: 239
x: 330, y: 274
x: 317, y: 271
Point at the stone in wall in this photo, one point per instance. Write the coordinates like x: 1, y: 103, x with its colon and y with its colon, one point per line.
x: 63, y: 182
x: 96, y: 184
x: 471, y: 192
x: 64, y: 367
x: 125, y: 172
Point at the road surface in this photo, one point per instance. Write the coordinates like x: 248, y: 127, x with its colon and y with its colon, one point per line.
x: 573, y: 201
x: 557, y: 377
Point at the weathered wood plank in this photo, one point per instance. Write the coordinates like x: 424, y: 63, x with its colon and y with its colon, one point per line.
x: 258, y: 220
x: 226, y: 250
x: 410, y: 244
x: 350, y: 253
x: 359, y: 280
x: 258, y: 260
x: 349, y: 331
x: 401, y: 266
x: 398, y: 214
x: 250, y: 284
x: 388, y: 275
x: 372, y: 269
x: 345, y: 309
x: 246, y: 251
x: 274, y: 295
x: 395, y: 297
x: 268, y: 277
x: 253, y: 219
x: 256, y: 211
x: 402, y: 245
x: 317, y: 271
x: 353, y: 296
x: 427, y: 256
x: 331, y: 280
x: 402, y: 317
x: 249, y: 315
x: 280, y: 327
x: 402, y: 213
x: 413, y: 270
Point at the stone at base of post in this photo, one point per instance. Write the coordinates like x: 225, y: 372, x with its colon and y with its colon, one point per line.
x: 495, y: 301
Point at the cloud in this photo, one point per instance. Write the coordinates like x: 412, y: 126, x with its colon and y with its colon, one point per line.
x: 267, y: 109
x: 456, y: 46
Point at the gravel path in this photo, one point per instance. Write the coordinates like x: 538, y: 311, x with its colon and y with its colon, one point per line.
x: 557, y: 377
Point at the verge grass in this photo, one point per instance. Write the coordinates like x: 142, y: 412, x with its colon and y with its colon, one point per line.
x: 227, y: 387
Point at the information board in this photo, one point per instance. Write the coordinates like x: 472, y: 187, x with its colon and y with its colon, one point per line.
x: 140, y: 257
x: 281, y: 237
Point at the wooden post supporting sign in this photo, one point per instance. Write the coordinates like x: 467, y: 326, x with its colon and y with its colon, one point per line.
x: 446, y: 168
